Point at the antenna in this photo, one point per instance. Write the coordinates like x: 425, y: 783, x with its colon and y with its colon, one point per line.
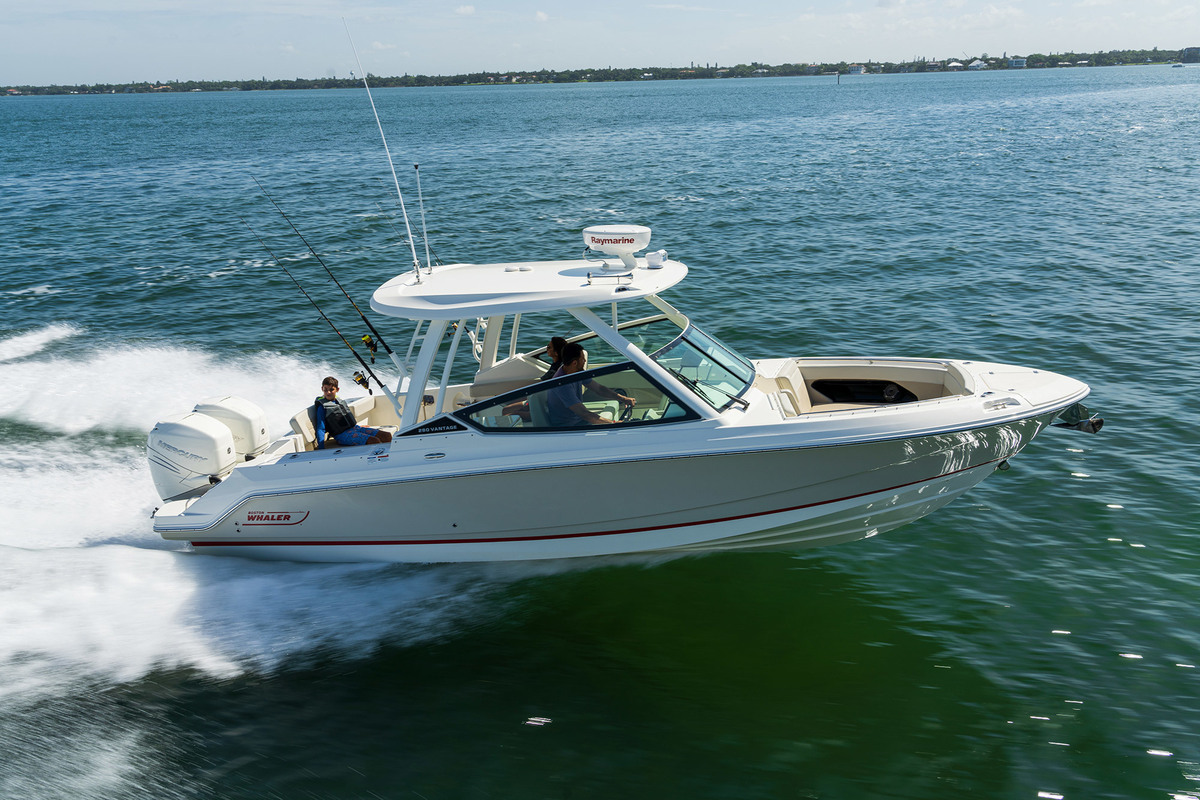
x: 421, y: 203
x: 395, y: 180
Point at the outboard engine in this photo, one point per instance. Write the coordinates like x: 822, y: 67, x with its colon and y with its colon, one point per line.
x: 245, y: 420
x: 190, y: 453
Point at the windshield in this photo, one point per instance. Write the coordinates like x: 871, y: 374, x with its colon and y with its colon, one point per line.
x: 648, y: 335
x: 620, y: 395
x: 713, y: 371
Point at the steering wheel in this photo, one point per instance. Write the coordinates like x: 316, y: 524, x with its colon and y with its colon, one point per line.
x: 627, y: 413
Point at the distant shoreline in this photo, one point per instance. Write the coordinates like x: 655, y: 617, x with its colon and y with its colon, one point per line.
x: 609, y: 74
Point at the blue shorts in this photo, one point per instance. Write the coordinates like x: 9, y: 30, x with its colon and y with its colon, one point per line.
x: 356, y: 435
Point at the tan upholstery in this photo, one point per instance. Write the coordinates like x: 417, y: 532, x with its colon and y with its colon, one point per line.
x: 781, y: 377
x: 304, y: 423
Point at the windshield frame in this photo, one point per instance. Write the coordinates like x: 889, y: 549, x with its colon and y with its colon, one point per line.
x: 705, y: 344
x: 464, y: 415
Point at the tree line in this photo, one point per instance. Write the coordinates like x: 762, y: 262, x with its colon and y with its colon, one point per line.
x: 692, y: 72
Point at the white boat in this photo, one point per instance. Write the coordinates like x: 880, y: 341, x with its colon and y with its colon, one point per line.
x: 718, y: 452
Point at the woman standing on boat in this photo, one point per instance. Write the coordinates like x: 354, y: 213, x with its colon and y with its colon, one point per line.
x: 334, y: 416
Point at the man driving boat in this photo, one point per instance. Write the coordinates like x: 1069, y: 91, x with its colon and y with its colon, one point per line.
x: 564, y: 403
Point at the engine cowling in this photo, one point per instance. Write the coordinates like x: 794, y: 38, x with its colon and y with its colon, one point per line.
x: 188, y: 454
x: 244, y: 419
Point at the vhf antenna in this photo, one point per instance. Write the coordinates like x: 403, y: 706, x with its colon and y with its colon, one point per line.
x: 424, y: 233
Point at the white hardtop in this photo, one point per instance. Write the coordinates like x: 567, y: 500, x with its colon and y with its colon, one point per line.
x: 455, y: 293
x: 461, y: 291
x: 458, y: 291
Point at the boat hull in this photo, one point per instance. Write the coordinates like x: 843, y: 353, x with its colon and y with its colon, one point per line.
x: 780, y: 498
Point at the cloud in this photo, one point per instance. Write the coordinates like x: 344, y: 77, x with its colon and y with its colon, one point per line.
x: 465, y: 11
x: 991, y: 17
x: 382, y: 46
x: 542, y: 16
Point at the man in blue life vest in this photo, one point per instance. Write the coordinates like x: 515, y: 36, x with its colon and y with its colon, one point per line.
x: 334, y: 416
x: 564, y: 404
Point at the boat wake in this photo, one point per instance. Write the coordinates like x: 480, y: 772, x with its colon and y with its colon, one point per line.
x: 89, y: 592
x: 26, y: 344
x: 120, y: 388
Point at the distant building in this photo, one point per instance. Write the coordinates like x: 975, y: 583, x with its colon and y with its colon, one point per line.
x: 1017, y: 62
x: 812, y: 69
x: 954, y: 66
x: 855, y: 69
x: 977, y: 64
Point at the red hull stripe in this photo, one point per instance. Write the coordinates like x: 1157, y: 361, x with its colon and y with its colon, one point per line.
x: 377, y: 542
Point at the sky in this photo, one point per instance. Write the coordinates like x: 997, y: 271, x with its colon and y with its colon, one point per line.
x: 44, y: 42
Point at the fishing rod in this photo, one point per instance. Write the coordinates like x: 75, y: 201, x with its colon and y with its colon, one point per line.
x: 358, y: 376
x: 387, y: 150
x: 366, y: 340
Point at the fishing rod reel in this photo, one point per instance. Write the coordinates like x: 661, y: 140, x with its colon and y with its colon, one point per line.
x: 371, y: 345
x: 361, y: 379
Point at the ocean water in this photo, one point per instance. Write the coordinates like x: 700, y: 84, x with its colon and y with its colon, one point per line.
x: 1036, y: 639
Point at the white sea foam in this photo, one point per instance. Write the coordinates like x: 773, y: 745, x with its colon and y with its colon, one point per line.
x: 45, y: 288
x: 87, y: 587
x: 118, y: 611
x: 74, y: 618
x: 59, y: 493
x: 89, y: 591
x: 26, y: 344
x: 130, y: 388
x: 96, y: 758
x: 121, y: 612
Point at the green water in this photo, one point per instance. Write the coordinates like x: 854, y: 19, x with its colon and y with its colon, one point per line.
x: 1036, y: 638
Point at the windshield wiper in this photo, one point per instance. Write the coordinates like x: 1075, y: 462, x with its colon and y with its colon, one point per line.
x: 695, y: 387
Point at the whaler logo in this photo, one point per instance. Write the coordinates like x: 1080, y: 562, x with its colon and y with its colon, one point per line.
x: 275, y: 517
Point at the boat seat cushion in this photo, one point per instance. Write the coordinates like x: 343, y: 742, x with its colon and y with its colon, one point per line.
x: 304, y: 423
x: 782, y: 376
x: 791, y: 385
